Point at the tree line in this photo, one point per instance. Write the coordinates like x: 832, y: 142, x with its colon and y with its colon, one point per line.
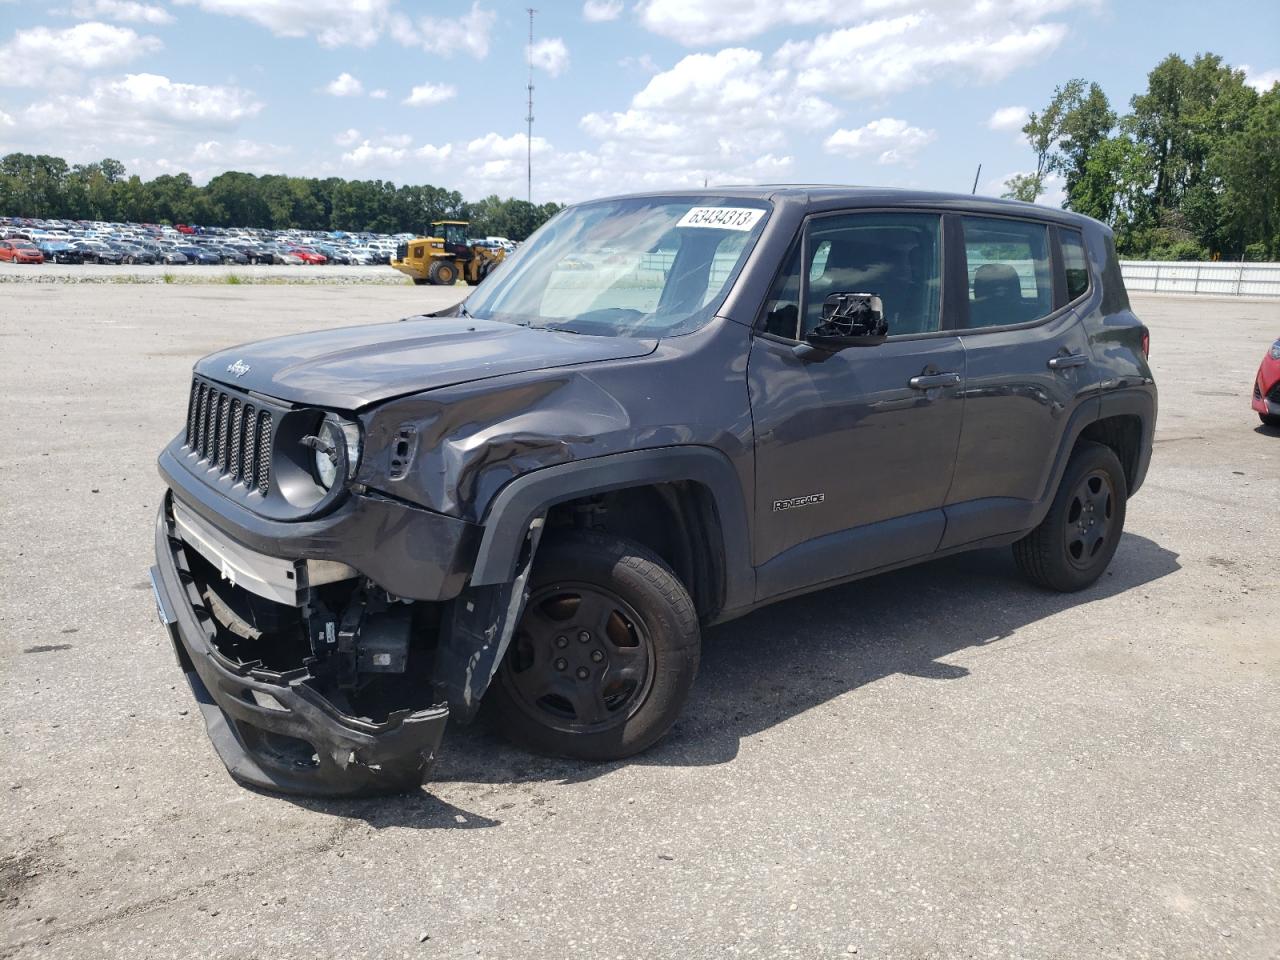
x: 42, y: 186
x: 1191, y: 172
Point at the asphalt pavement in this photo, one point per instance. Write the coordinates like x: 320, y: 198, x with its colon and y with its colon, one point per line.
x: 941, y: 762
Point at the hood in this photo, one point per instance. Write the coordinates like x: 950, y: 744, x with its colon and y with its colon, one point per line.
x: 352, y: 367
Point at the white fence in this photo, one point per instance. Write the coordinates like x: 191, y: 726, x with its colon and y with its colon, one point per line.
x: 1218, y: 279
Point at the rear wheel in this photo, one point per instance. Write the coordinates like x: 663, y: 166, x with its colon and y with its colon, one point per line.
x: 443, y: 272
x: 1078, y: 537
x: 604, y: 655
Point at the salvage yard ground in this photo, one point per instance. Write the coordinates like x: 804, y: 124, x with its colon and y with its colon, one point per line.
x: 938, y: 763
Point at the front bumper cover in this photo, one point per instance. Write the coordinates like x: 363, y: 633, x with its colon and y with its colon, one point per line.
x: 274, y: 730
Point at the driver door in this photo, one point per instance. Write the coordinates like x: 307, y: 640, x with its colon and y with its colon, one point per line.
x: 854, y: 450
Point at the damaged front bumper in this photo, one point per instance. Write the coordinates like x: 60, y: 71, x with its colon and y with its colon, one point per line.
x: 274, y: 729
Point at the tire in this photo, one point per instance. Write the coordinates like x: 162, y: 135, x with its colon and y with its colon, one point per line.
x: 443, y: 272
x: 1269, y: 419
x: 1076, y: 540
x: 593, y: 693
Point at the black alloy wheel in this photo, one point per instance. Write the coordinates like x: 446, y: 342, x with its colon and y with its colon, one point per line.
x: 581, y: 660
x: 1077, y: 538
x: 1088, y: 519
x: 605, y: 652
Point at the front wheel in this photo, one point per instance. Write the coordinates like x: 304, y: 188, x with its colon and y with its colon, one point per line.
x: 443, y: 273
x: 1079, y: 535
x: 605, y: 653
x: 1269, y: 419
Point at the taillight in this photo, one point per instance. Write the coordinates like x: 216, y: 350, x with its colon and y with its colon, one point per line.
x: 1146, y: 344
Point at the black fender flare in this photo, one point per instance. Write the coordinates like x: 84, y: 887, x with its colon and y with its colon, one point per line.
x: 528, y: 497
x: 1140, y: 402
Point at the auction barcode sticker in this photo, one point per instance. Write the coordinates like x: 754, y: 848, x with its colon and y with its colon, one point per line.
x: 722, y: 218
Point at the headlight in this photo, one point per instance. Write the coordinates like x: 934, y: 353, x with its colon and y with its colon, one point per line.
x: 1275, y: 350
x: 337, y: 449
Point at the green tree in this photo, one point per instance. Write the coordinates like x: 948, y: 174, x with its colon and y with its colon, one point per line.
x: 1248, y: 165
x: 1044, y: 130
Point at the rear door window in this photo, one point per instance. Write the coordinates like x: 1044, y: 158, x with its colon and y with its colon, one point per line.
x: 1009, y: 272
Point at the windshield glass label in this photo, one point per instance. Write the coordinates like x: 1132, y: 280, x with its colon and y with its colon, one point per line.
x: 722, y: 218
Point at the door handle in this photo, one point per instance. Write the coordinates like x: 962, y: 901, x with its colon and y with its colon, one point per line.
x: 1068, y: 361
x: 930, y: 380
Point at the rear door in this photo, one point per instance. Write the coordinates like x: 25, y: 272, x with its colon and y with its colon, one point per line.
x: 1026, y: 365
x: 854, y: 451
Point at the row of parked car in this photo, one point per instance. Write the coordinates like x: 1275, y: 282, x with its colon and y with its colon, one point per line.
x: 24, y: 240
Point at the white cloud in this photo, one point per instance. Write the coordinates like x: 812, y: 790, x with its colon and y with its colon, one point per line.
x: 698, y: 23
x: 719, y: 118
x: 125, y: 11
x: 598, y: 11
x: 345, y: 85
x: 429, y: 94
x: 644, y: 63
x: 889, y: 56
x: 237, y: 152
x: 393, y: 151
x: 55, y: 57
x: 334, y: 23
x: 141, y: 106
x: 1261, y: 80
x: 893, y: 140
x: 1008, y: 118
x: 551, y: 55
x: 468, y: 33
x: 378, y: 94
x: 6, y: 120
x: 347, y: 137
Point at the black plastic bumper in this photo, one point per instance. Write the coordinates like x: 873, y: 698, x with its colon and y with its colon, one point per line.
x: 275, y: 731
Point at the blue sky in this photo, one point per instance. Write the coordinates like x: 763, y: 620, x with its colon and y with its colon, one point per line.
x: 631, y: 94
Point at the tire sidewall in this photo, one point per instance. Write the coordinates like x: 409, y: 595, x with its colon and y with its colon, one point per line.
x: 1088, y: 458
x: 649, y: 587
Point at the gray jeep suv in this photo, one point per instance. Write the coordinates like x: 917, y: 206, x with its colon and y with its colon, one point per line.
x: 662, y: 412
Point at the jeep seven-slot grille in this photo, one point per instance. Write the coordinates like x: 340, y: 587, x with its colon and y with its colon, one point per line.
x: 230, y: 434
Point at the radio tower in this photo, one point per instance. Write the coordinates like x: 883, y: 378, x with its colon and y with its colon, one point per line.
x: 528, y: 140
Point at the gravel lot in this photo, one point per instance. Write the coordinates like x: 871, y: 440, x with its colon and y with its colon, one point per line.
x: 937, y: 763
x: 195, y: 273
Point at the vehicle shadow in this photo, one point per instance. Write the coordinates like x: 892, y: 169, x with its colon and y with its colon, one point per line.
x: 789, y: 657
x: 1267, y: 431
x: 785, y: 659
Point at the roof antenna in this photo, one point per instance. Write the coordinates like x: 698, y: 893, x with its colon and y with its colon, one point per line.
x: 528, y: 139
x: 975, y: 180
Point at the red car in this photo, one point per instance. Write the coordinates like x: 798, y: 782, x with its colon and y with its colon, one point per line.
x: 1266, y: 388
x: 308, y: 256
x: 20, y: 251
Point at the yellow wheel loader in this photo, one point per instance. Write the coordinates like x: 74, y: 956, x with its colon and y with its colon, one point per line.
x: 445, y: 256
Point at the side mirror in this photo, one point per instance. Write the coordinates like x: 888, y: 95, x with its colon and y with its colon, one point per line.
x: 848, y: 320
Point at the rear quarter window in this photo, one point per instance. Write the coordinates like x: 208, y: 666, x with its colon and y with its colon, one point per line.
x: 1075, y: 263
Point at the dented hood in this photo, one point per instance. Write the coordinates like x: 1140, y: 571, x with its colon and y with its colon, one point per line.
x: 353, y: 367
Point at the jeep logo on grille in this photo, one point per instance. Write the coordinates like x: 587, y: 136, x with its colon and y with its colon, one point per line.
x: 239, y: 368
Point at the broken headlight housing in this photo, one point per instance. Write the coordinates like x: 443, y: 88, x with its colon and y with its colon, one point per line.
x: 336, y: 451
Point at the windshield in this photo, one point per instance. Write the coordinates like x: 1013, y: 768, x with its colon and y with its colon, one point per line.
x: 633, y: 267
